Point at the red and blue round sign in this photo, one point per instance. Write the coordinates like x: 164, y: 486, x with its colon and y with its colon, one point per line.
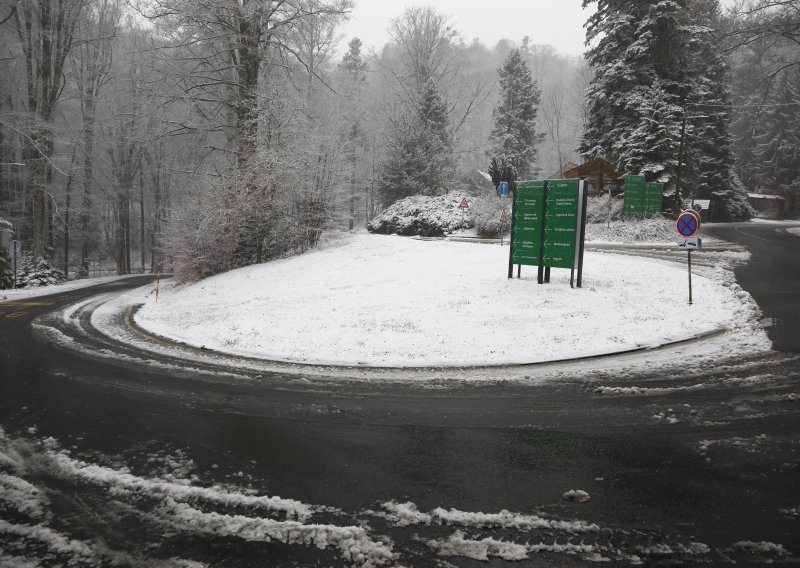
x: 688, y: 223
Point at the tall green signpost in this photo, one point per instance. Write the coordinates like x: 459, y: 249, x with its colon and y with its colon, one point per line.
x: 642, y: 199
x: 548, y: 227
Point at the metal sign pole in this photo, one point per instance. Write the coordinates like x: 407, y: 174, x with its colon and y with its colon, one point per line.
x: 541, y: 276
x: 511, y: 237
x: 689, y: 256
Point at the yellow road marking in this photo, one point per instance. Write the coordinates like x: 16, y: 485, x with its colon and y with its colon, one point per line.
x: 20, y: 304
x: 16, y: 314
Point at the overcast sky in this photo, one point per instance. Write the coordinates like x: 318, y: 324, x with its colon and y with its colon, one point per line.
x: 555, y: 22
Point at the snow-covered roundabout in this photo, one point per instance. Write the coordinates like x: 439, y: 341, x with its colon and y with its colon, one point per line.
x: 388, y: 301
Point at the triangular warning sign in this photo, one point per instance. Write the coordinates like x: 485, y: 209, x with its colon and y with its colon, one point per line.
x: 464, y: 204
x: 504, y: 217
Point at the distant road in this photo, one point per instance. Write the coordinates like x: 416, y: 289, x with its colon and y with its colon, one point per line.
x: 772, y: 276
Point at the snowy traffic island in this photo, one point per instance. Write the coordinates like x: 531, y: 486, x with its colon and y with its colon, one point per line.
x: 389, y: 301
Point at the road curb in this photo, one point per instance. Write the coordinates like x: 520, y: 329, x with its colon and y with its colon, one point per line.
x: 130, y: 312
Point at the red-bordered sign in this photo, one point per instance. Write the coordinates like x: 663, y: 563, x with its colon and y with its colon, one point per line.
x: 688, y: 224
x: 464, y: 204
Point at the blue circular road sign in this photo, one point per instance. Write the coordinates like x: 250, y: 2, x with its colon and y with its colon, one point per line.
x: 688, y: 223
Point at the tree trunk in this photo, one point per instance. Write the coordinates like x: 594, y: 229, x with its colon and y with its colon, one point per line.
x: 88, y: 181
x: 141, y: 220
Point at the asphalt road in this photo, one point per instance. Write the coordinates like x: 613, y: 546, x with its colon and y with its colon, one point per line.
x: 700, y: 467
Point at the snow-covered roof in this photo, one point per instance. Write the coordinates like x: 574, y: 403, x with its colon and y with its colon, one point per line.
x: 762, y: 196
x: 5, y: 224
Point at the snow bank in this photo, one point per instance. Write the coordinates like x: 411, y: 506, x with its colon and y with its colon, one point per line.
x: 20, y: 293
x: 392, y: 301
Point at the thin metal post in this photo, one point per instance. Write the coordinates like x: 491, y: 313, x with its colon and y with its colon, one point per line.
x: 689, y: 256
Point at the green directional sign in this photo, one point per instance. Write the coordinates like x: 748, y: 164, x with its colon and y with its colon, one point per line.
x: 642, y: 199
x: 561, y: 211
x: 548, y: 227
x: 653, y: 198
x: 526, y: 232
x: 634, y: 195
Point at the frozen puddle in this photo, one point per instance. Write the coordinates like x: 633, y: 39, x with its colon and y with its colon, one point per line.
x: 43, y: 490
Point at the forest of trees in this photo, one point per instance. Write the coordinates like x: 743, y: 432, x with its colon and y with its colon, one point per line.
x: 203, y: 135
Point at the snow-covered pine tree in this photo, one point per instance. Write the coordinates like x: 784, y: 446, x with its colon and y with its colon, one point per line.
x: 709, y: 153
x: 654, y: 61
x: 777, y: 137
x: 514, y: 132
x: 36, y: 272
x: 420, y: 153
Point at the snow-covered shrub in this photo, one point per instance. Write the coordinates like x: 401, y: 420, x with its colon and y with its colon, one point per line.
x: 657, y: 230
x: 486, y: 213
x: 597, y: 209
x: 422, y: 215
x: 34, y: 273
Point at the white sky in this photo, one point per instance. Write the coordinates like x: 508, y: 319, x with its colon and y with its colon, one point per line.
x: 555, y: 22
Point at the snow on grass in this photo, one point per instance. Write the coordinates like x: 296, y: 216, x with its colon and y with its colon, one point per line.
x: 655, y: 230
x: 389, y: 301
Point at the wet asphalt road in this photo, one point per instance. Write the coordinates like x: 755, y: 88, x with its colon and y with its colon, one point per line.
x: 718, y: 465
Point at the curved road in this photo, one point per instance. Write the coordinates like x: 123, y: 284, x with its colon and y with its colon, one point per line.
x: 109, y: 458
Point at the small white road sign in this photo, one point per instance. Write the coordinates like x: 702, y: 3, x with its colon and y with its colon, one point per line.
x: 690, y: 243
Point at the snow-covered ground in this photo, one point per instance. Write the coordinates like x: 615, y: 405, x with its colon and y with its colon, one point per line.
x: 393, y: 301
x: 24, y: 293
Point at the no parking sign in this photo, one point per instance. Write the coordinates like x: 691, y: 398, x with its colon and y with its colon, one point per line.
x: 687, y: 225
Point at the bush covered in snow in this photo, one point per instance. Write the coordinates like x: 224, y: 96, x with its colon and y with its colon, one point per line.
x: 37, y: 272
x: 486, y: 213
x: 657, y: 229
x: 423, y: 216
x: 597, y: 209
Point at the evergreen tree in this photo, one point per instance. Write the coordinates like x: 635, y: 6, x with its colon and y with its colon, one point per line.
x: 514, y: 132
x: 420, y: 153
x: 777, y: 137
x: 355, y: 72
x: 656, y: 62
x: 353, y: 63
